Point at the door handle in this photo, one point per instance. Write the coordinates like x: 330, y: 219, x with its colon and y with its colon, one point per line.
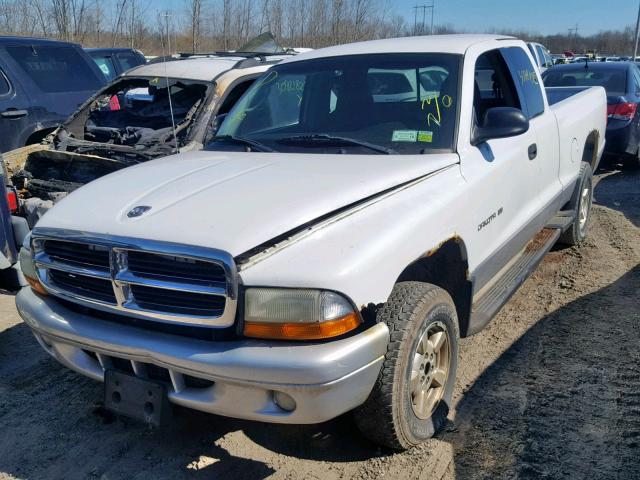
x: 13, y: 113
x: 532, y: 151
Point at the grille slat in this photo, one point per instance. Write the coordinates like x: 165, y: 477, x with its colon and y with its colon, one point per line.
x: 178, y: 302
x: 87, y: 287
x: 154, y: 265
x: 78, y: 254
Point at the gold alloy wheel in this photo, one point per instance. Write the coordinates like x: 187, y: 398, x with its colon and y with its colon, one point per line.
x: 430, y: 370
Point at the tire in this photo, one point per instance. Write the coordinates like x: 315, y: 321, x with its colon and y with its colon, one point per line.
x: 631, y: 161
x: 580, y: 203
x: 392, y: 415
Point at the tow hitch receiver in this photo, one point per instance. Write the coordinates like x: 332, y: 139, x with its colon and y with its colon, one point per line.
x: 137, y: 398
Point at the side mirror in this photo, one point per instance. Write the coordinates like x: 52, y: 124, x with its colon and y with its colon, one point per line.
x: 500, y: 122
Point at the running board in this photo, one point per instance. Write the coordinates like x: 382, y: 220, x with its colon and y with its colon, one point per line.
x: 492, y: 300
x: 562, y: 220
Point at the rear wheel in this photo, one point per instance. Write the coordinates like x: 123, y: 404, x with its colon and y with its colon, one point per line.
x: 581, y: 204
x: 411, y: 398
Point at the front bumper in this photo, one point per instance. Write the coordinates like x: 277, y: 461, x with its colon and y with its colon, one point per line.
x: 324, y: 379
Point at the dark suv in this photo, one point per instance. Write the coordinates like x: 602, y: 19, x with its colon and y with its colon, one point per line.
x: 41, y: 83
x: 115, y: 61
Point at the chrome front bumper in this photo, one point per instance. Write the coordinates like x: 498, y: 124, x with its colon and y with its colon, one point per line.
x: 325, y: 379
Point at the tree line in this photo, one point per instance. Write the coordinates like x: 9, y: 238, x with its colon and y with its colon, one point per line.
x: 210, y: 25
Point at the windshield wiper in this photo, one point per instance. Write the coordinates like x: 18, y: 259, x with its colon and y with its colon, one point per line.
x: 260, y: 147
x: 326, y: 138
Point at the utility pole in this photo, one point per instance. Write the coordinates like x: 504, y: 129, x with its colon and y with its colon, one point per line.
x: 575, y: 36
x: 635, y: 48
x: 424, y: 15
x: 415, y: 18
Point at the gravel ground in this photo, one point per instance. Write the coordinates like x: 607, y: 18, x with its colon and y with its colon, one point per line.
x: 551, y: 389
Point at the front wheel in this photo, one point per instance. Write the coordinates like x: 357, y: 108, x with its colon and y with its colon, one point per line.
x: 411, y: 398
x: 581, y: 204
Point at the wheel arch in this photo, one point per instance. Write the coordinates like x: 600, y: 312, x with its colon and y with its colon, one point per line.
x: 590, y: 151
x: 447, y: 267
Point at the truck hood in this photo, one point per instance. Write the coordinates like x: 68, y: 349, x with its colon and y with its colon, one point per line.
x: 232, y: 201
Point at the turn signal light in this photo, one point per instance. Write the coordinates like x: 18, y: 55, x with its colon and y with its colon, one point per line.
x: 303, y: 331
x: 36, y: 286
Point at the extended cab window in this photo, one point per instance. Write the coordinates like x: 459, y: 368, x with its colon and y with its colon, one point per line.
x: 526, y: 80
x: 494, y: 86
x: 392, y: 103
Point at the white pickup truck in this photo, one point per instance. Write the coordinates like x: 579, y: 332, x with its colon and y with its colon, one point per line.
x: 364, y: 207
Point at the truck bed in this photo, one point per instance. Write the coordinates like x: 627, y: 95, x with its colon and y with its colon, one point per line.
x: 558, y: 94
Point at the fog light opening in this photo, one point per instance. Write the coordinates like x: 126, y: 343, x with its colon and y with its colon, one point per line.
x: 284, y: 401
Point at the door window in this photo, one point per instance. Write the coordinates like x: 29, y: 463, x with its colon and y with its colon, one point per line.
x: 494, y: 86
x: 526, y: 80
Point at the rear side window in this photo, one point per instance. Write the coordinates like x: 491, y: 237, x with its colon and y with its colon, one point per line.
x: 105, y: 64
x: 526, y: 81
x: 614, y: 80
x: 4, y: 84
x: 55, y: 69
x: 129, y: 60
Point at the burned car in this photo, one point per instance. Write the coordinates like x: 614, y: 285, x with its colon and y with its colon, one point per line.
x: 152, y: 111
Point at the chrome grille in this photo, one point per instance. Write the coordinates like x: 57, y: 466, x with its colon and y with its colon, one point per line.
x: 153, y: 280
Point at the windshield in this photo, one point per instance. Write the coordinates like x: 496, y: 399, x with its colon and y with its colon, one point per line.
x: 131, y: 119
x: 613, y: 80
x: 391, y: 103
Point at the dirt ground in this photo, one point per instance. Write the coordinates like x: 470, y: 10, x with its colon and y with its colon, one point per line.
x: 551, y: 389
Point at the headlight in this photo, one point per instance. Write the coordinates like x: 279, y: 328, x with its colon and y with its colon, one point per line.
x: 297, y: 314
x: 28, y: 266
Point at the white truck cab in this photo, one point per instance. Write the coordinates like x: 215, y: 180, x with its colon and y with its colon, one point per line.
x: 328, y: 250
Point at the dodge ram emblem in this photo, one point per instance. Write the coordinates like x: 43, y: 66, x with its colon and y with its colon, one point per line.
x: 137, y: 211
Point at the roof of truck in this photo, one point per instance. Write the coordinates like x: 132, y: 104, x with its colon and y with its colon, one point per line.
x: 457, y: 44
x: 200, y: 68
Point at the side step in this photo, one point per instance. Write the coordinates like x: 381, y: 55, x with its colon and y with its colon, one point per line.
x: 494, y: 298
x: 562, y: 220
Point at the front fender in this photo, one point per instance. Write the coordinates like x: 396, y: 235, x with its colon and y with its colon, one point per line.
x: 362, y: 252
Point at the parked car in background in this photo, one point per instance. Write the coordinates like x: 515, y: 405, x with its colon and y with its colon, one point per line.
x: 612, y: 59
x: 333, y: 261
x: 151, y: 111
x: 13, y: 230
x: 41, y: 83
x: 559, y: 59
x: 621, y: 80
x: 113, y: 62
x: 541, y: 55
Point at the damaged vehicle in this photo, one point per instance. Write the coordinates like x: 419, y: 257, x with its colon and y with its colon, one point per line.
x: 334, y: 259
x: 152, y: 111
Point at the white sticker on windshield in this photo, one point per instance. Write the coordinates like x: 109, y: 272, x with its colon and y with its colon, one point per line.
x: 404, y: 136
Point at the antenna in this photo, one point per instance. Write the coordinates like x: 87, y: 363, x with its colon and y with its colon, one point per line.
x: 166, y: 76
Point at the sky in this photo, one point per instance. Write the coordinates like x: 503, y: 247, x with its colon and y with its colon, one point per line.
x: 539, y: 16
x: 536, y: 16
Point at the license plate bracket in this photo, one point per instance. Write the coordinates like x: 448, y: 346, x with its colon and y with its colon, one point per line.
x: 135, y: 397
